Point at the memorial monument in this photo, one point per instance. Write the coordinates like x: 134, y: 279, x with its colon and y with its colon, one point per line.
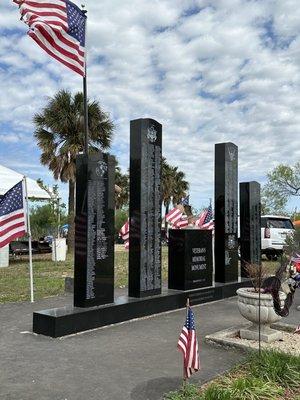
x: 94, y: 230
x: 145, y: 208
x: 250, y: 226
x: 190, y: 259
x: 226, y: 212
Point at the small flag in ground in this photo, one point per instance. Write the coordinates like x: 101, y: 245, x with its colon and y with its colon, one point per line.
x: 297, y: 330
x: 181, y: 224
x: 124, y: 231
x: 188, y: 345
x: 185, y: 201
x: 173, y: 216
x: 12, y: 215
x: 58, y: 27
x: 205, y: 220
x: 124, y: 234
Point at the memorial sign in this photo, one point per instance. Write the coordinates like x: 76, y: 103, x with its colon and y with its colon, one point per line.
x: 226, y: 212
x: 145, y: 208
x: 250, y: 226
x: 190, y: 259
x: 94, y: 230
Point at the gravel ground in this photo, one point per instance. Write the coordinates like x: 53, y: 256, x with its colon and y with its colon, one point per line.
x: 290, y: 343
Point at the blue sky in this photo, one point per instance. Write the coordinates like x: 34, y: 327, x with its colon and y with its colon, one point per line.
x: 209, y: 71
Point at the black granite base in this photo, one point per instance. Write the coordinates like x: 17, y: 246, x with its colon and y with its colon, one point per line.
x: 64, y: 321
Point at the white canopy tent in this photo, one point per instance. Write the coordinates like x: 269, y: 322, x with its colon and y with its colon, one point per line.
x: 9, y: 178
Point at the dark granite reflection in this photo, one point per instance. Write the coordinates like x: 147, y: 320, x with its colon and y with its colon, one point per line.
x: 250, y: 212
x: 94, y: 230
x: 190, y: 259
x: 145, y: 208
x: 226, y: 212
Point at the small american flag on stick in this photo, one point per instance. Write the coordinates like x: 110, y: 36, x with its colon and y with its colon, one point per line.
x: 205, y: 219
x: 173, y: 216
x: 188, y: 344
x: 12, y: 215
x: 58, y: 27
x: 124, y: 234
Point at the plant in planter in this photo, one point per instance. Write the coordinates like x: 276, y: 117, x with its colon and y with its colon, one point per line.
x: 275, y: 295
x: 249, y: 300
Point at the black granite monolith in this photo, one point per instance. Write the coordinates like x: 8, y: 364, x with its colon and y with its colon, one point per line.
x: 226, y: 212
x: 94, y: 230
x: 190, y: 259
x: 250, y: 227
x: 145, y: 208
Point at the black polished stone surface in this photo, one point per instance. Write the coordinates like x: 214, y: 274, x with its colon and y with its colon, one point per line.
x: 94, y: 230
x: 190, y: 259
x: 64, y: 321
x: 250, y: 227
x: 145, y: 208
x: 226, y: 212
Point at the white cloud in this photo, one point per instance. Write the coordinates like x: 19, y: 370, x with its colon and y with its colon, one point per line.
x: 227, y: 71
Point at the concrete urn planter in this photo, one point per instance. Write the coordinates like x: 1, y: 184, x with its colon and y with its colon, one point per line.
x: 248, y: 303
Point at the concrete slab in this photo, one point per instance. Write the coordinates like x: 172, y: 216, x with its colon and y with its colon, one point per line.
x: 136, y: 360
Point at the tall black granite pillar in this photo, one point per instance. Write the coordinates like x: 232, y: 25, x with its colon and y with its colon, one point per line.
x: 250, y: 229
x: 94, y: 230
x: 226, y: 212
x: 145, y: 208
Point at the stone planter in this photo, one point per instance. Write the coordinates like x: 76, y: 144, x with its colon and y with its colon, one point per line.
x: 248, y: 303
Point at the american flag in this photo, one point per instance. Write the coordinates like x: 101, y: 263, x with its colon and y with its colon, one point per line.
x: 296, y: 258
x: 188, y: 345
x: 58, y: 27
x: 185, y: 201
x: 181, y: 223
x: 297, y: 330
x: 124, y: 234
x: 173, y: 216
x: 12, y: 215
x: 205, y: 219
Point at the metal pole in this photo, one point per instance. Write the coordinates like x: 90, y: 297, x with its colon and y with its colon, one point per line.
x: 29, y: 241
x: 259, y: 312
x: 85, y: 98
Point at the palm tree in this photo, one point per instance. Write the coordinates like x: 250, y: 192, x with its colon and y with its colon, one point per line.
x: 59, y: 131
x: 174, y: 185
x: 122, y: 181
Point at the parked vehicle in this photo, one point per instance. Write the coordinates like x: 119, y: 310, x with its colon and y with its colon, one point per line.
x: 274, y: 230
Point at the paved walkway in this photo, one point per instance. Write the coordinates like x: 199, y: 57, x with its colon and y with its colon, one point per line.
x: 137, y: 360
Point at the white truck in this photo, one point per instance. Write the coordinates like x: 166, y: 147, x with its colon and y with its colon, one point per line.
x: 274, y: 230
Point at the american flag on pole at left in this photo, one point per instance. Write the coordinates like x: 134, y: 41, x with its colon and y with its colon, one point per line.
x: 58, y: 27
x: 188, y: 345
x: 12, y: 215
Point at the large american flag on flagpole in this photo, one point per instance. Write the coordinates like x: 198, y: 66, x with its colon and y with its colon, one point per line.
x: 12, y: 215
x: 188, y: 345
x: 58, y: 27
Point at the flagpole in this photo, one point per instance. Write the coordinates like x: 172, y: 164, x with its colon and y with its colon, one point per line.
x: 85, y: 98
x: 29, y: 241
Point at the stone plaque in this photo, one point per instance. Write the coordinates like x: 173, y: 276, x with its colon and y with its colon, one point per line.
x: 190, y: 259
x: 145, y: 208
x: 94, y: 230
x: 226, y: 212
x: 250, y: 227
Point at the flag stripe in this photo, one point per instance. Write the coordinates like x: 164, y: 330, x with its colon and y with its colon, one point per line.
x: 40, y: 40
x: 64, y: 43
x: 12, y: 237
x: 11, y: 226
x: 10, y: 217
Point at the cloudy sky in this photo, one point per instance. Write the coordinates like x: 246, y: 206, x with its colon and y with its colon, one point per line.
x: 209, y: 70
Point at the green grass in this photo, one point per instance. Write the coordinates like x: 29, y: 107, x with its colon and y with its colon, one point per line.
x: 273, y: 377
x: 49, y: 277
